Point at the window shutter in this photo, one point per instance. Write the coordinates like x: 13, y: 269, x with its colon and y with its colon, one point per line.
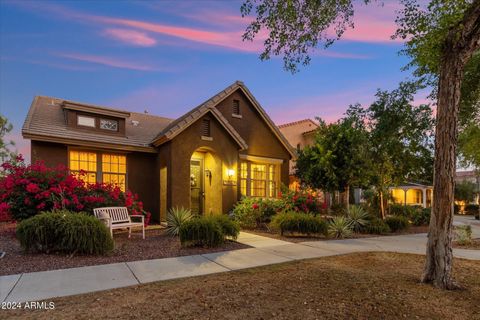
x: 206, y: 127
x: 236, y: 107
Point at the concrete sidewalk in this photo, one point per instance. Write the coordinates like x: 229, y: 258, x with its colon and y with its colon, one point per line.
x: 265, y: 251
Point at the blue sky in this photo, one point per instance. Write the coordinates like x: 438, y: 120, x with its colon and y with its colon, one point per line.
x: 167, y: 57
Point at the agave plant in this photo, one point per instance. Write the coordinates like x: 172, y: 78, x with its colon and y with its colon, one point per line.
x: 358, y: 217
x: 339, y: 227
x: 175, y: 218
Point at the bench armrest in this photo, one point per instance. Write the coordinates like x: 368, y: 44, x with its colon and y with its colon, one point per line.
x: 137, y: 216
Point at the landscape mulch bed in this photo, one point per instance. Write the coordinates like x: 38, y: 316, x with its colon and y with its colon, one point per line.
x: 474, y: 245
x: 157, y: 244
x: 302, y: 238
x: 355, y: 286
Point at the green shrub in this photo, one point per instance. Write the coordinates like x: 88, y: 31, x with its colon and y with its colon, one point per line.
x: 201, y: 231
x: 229, y: 227
x: 377, y: 226
x: 247, y: 212
x: 402, y: 210
x: 175, y: 218
x: 298, y: 222
x: 66, y: 232
x: 358, y: 217
x: 463, y: 234
x: 397, y: 223
x: 421, y: 217
x: 471, y: 209
x: 340, y: 227
x: 337, y: 209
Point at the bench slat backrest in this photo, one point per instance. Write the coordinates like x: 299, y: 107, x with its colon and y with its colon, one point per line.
x: 116, y: 214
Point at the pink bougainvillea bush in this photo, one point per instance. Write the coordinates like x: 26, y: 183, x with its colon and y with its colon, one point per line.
x: 26, y: 190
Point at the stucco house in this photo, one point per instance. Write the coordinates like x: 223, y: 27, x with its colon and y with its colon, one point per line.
x: 204, y: 160
x: 413, y: 194
x: 299, y: 134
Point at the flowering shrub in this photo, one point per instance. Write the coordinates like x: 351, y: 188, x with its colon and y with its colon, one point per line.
x: 251, y: 212
x: 301, y: 201
x: 25, y: 190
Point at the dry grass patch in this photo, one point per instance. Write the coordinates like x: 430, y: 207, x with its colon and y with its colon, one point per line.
x: 355, y: 286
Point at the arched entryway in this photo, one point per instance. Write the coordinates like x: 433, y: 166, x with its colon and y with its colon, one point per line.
x: 205, y: 182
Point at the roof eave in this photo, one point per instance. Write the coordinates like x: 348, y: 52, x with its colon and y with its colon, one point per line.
x: 87, y: 143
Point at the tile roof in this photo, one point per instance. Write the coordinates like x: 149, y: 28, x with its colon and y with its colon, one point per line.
x: 294, y: 123
x: 184, y: 121
x: 46, y: 119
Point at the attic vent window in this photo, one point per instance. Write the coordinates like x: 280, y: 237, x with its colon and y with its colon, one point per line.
x: 108, y: 124
x: 236, y: 107
x: 85, y: 121
x: 206, y: 128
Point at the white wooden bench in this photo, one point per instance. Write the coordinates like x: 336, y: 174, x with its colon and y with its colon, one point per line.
x: 118, y: 218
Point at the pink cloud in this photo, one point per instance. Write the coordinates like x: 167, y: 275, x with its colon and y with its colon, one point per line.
x: 131, y: 37
x: 107, y: 61
x: 374, y: 23
x: 231, y: 39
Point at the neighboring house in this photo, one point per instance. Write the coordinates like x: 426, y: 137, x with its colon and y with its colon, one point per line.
x: 299, y: 134
x: 205, y: 160
x: 413, y: 194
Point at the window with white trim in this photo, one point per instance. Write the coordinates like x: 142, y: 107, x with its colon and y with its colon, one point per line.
x: 85, y: 121
x: 259, y: 179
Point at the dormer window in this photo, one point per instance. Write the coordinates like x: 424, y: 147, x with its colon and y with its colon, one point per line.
x: 86, y: 121
x: 109, y: 124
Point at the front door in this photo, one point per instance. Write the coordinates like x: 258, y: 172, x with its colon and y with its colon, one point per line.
x: 196, y: 186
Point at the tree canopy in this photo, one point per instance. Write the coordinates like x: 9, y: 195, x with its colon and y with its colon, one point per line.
x: 337, y: 159
x: 5, y: 128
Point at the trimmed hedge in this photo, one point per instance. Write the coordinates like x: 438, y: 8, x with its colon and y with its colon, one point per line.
x: 397, y: 223
x: 208, y: 231
x: 296, y: 222
x: 377, y: 226
x: 64, y: 231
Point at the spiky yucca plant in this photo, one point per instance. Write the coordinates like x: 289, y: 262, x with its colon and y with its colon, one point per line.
x: 339, y: 227
x: 175, y: 218
x: 358, y: 217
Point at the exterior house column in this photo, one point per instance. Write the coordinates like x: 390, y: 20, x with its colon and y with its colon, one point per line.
x: 405, y: 196
x: 424, y: 197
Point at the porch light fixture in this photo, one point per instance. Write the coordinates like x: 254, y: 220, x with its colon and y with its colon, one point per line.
x: 230, y: 173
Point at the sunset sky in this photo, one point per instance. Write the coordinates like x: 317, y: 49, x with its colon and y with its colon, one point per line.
x: 167, y: 57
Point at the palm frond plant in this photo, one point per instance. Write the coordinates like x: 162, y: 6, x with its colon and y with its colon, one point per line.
x: 339, y: 227
x: 358, y: 217
x: 175, y: 218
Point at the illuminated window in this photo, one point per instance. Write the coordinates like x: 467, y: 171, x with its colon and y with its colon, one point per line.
x: 84, y: 161
x: 243, y: 178
x: 114, y: 169
x: 271, y: 181
x: 107, y: 168
x: 258, y: 179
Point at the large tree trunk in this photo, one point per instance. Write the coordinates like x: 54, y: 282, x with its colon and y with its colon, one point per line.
x: 460, y: 44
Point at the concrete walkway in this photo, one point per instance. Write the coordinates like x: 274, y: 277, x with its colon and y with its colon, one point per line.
x: 265, y: 251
